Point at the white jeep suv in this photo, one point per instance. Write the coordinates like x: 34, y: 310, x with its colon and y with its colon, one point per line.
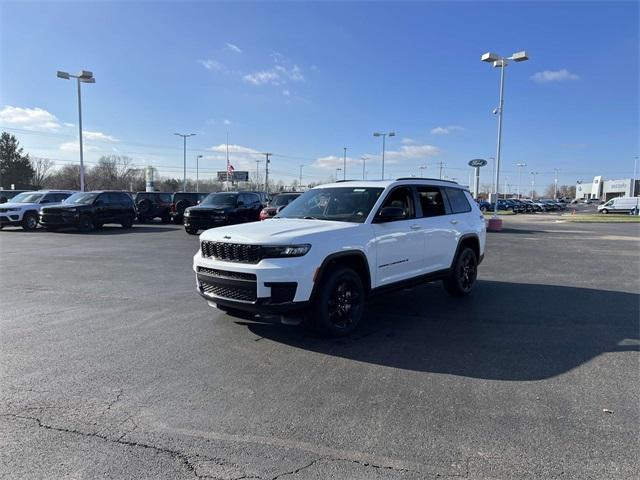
x: 335, y: 245
x: 22, y: 210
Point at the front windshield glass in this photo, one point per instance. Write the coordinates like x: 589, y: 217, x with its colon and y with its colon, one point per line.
x: 282, y: 200
x: 82, y: 198
x: 343, y: 204
x: 222, y: 199
x: 27, y: 197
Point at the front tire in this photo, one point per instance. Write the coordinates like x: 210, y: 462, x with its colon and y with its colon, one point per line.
x: 85, y: 224
x: 604, y: 210
x: 339, y: 305
x: 127, y: 223
x: 463, y: 276
x: 30, y: 222
x: 166, y: 218
x: 191, y: 230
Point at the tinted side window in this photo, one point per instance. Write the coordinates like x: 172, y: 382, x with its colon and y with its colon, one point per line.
x: 458, y: 200
x: 253, y: 198
x: 164, y: 197
x: 49, y: 198
x: 401, y: 197
x: 125, y: 199
x: 431, y: 201
x: 62, y: 196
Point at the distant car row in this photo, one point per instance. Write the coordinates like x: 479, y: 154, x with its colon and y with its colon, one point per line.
x: 524, y: 205
x: 86, y: 211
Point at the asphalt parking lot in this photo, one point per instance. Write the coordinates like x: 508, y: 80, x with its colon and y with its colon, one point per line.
x: 113, y: 367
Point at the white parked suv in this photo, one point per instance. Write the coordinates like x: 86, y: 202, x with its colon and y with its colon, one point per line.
x: 320, y: 258
x: 22, y: 210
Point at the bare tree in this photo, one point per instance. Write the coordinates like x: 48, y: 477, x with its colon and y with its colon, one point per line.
x: 41, y: 171
x: 112, y: 172
x: 67, y: 178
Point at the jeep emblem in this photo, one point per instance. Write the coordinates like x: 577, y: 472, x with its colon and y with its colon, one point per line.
x: 227, y: 237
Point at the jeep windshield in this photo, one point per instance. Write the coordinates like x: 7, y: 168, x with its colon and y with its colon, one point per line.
x: 221, y: 199
x: 342, y: 204
x: 81, y: 198
x: 27, y: 197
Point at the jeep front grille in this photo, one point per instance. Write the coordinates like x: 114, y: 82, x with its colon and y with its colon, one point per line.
x: 231, y: 252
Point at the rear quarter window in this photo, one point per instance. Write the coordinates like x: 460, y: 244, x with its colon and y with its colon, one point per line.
x: 458, y: 200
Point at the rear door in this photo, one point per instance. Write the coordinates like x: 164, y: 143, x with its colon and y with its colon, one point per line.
x: 438, y: 228
x: 399, y: 243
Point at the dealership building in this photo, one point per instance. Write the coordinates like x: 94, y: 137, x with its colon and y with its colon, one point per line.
x: 601, y: 189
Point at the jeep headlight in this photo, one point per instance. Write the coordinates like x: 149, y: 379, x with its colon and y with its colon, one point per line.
x: 278, y: 251
x: 186, y: 212
x: 12, y: 209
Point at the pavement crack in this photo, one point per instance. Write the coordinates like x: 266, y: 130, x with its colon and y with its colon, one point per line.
x: 293, y: 472
x: 175, y: 454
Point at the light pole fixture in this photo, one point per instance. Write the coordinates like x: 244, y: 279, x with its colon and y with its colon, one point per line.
x: 533, y: 184
x: 82, y: 77
x: 520, y: 165
x: 344, y: 168
x: 384, y: 138
x: 184, y: 158
x: 364, y: 164
x: 501, y: 63
x: 198, y: 173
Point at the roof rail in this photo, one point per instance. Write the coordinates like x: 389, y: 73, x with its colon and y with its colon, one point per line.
x: 342, y: 181
x: 424, y: 178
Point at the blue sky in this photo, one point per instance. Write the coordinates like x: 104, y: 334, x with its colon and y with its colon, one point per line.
x: 303, y: 80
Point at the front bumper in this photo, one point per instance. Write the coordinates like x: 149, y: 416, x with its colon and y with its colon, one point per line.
x: 204, y: 223
x: 272, y: 286
x: 10, y: 218
x: 59, y: 220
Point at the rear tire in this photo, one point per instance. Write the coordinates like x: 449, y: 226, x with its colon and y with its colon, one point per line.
x: 604, y: 210
x: 339, y: 303
x: 141, y: 219
x: 166, y: 217
x: 29, y: 222
x: 463, y: 275
x: 191, y: 230
x: 127, y: 223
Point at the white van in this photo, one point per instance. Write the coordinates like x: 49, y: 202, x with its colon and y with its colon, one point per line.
x: 619, y: 205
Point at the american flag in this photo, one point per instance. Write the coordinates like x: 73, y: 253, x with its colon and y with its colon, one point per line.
x: 230, y: 169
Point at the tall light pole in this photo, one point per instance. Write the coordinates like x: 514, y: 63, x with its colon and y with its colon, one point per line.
x: 344, y: 167
x: 501, y: 62
x: 364, y: 164
x: 555, y: 184
x: 300, y: 182
x: 384, y: 139
x: 82, y: 77
x: 533, y: 184
x: 520, y: 165
x: 635, y: 171
x: 266, y: 172
x: 184, y: 158
x: 198, y: 173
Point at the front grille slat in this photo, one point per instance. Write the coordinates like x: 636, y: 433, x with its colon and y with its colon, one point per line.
x: 227, y: 274
x: 231, y: 252
x: 244, y: 294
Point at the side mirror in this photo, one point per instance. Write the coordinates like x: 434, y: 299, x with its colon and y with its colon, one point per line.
x: 240, y: 203
x: 390, y: 214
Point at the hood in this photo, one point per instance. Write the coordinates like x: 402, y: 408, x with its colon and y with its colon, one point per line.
x: 66, y: 206
x: 276, y: 231
x: 211, y: 207
x: 19, y: 205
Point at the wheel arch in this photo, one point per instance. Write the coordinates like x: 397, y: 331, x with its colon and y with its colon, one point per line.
x: 468, y: 240
x: 355, y: 259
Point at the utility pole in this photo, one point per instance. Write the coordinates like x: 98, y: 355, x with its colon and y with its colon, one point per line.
x: 227, y: 184
x: 344, y: 165
x: 197, y: 173
x: 300, y: 181
x: 266, y: 172
x: 258, y: 172
x: 422, y: 168
x: 520, y: 165
x: 533, y: 184
x: 364, y: 163
x: 184, y: 157
x: 555, y: 184
x: 441, y: 165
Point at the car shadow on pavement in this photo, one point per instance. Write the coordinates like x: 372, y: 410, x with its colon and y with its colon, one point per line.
x: 503, y: 331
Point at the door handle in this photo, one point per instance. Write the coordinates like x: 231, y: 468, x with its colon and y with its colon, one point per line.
x: 415, y: 227
x: 454, y: 222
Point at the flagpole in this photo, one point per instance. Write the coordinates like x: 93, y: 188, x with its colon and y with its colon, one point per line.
x: 227, y: 160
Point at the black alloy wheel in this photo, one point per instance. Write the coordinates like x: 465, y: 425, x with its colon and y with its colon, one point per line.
x: 85, y: 224
x: 340, y: 302
x: 463, y: 276
x: 30, y: 222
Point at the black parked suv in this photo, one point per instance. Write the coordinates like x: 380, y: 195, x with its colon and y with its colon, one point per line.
x: 223, y: 208
x: 183, y: 200
x: 152, y: 205
x: 90, y: 210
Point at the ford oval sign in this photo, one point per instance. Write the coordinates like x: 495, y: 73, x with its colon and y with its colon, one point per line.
x: 477, y: 162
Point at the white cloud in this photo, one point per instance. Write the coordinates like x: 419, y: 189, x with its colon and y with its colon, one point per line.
x: 234, y: 47
x: 222, y: 148
x: 408, y: 141
x: 75, y: 147
x: 554, y: 76
x: 227, y: 122
x: 411, y: 152
x: 265, y: 77
x: 29, y: 118
x: 98, y: 136
x: 286, y: 92
x: 67, y: 124
x: 241, y: 157
x: 211, y: 64
x: 446, y: 130
x: 334, y: 161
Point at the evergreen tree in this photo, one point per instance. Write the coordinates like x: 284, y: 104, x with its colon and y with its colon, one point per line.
x: 15, y: 167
